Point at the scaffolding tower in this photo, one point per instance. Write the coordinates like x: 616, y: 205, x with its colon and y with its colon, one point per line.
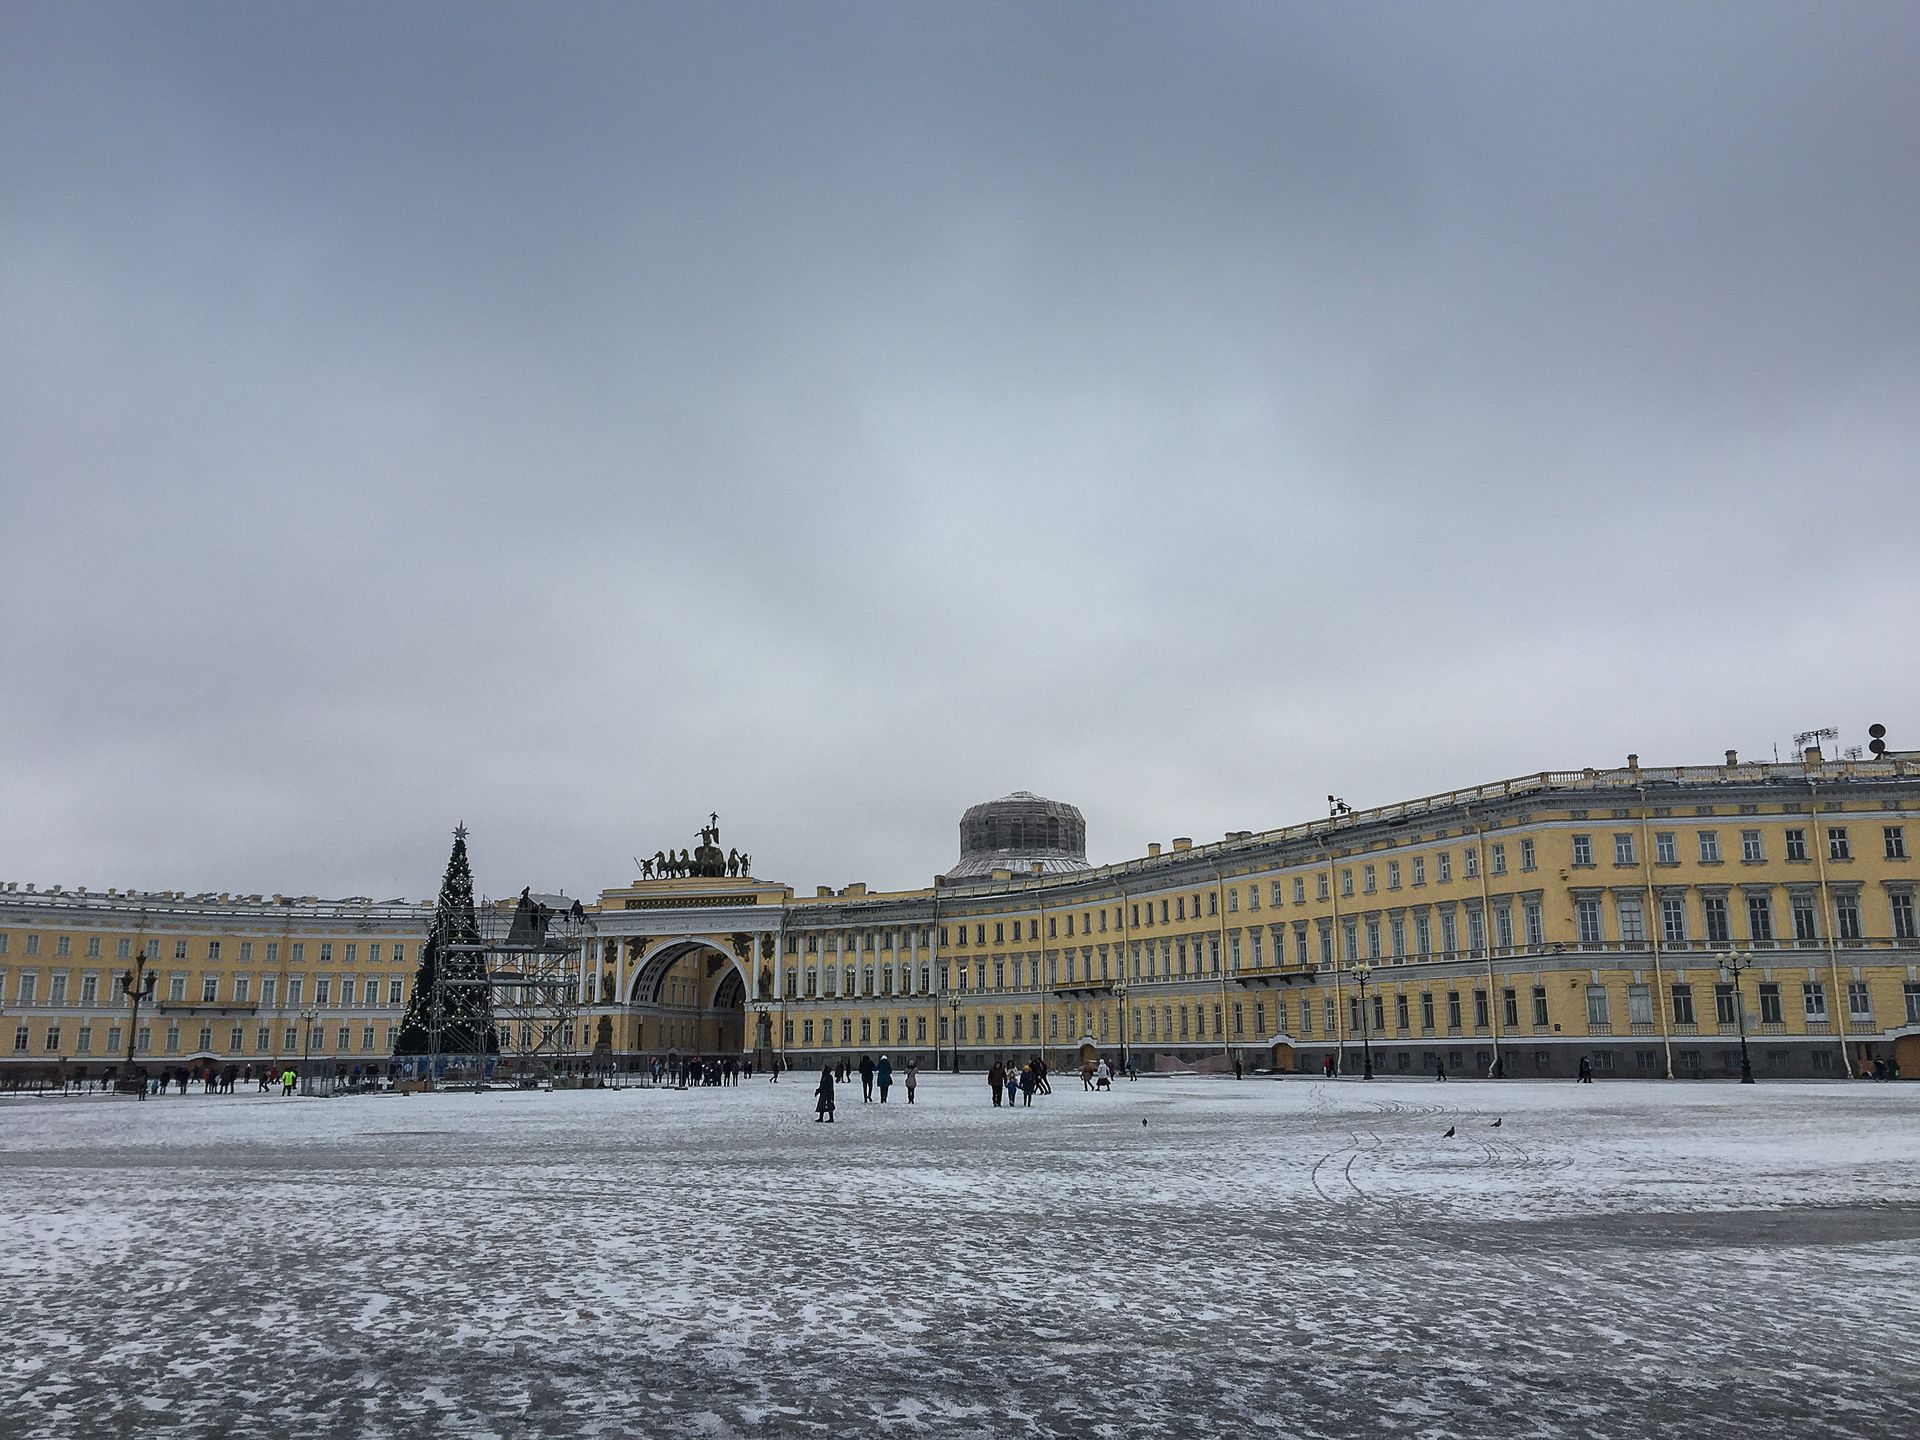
x: 529, y: 963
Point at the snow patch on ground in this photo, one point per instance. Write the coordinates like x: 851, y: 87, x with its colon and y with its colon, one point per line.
x: 1295, y: 1257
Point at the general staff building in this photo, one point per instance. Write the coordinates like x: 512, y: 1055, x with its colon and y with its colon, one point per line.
x: 1639, y: 918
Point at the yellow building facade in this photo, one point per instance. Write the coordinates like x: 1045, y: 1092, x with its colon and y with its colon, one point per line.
x: 1636, y: 918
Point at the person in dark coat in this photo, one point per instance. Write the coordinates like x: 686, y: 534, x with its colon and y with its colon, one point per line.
x: 866, y: 1079
x: 823, y: 1108
x: 997, y: 1080
x: 883, y: 1077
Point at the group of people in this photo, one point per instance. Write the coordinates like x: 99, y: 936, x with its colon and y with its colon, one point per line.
x: 693, y: 1071
x: 1019, y: 1085
x: 873, y: 1077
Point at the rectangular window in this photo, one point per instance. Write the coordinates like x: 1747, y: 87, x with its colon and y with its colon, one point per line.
x: 1814, y: 996
x: 1673, y: 920
x: 1846, y: 917
x: 1526, y: 855
x: 1796, y: 844
x: 1540, y: 1019
x: 1369, y: 881
x: 1760, y: 917
x: 1902, y: 904
x: 1665, y: 851
x: 1837, y: 847
x: 1393, y: 875
x: 268, y: 986
x: 1510, y: 1008
x: 1859, y: 1002
x: 1346, y: 881
x: 1497, y: 857
x: 1453, y: 1009
x: 1723, y: 1005
x: 1623, y: 848
x: 1503, y: 927
x: 1426, y: 1010
x: 1470, y: 862
x: 1419, y: 863
x: 1709, y: 847
x: 1751, y: 849
x: 1771, y: 1010
x: 1639, y: 1005
x: 1714, y: 909
x: 90, y: 987
x: 242, y: 988
x: 323, y: 990
x: 1633, y: 927
x: 1912, y: 994
x: 1597, y: 1014
x: 177, y: 987
x: 1443, y: 866
x: 1586, y: 915
x: 209, y: 988
x: 1806, y: 927
x: 1482, y: 1010
x: 1896, y: 839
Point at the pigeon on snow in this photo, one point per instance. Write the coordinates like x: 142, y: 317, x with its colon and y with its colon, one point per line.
x: 1449, y: 1134
x: 1496, y: 1124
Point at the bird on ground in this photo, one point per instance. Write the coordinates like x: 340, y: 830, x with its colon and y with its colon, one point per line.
x: 1143, y: 1124
x: 1449, y: 1134
x: 1495, y: 1125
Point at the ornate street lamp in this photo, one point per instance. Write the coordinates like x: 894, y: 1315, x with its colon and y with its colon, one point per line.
x: 1120, y: 994
x: 137, y: 985
x: 1360, y: 970
x: 954, y: 1006
x: 1733, y: 966
x: 307, y: 1017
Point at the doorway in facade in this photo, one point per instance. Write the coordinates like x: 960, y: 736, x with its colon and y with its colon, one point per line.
x: 1906, y: 1056
x: 1281, y: 1056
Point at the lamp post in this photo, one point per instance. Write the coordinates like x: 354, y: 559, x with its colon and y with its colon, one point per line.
x: 137, y: 985
x: 1360, y: 970
x: 307, y: 1017
x: 1120, y: 995
x: 1733, y: 967
x: 954, y: 1006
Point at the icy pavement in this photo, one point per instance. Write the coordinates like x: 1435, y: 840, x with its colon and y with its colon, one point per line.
x: 1265, y: 1257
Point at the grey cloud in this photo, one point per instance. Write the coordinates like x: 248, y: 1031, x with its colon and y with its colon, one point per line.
x: 572, y: 419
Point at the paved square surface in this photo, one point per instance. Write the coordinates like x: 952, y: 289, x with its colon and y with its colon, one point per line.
x: 1264, y: 1257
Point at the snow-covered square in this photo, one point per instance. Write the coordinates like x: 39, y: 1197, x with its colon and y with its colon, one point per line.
x: 1179, y: 1257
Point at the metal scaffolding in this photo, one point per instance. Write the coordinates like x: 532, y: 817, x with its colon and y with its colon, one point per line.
x: 528, y: 960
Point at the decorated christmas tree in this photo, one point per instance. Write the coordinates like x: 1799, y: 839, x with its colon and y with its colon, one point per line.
x: 466, y: 1010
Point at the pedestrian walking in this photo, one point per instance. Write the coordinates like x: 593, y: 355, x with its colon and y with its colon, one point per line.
x: 997, y: 1081
x: 287, y: 1081
x: 1439, y: 1069
x: 883, y: 1076
x: 866, y: 1079
x: 1029, y: 1082
x: 913, y: 1078
x: 1586, y: 1072
x: 823, y: 1108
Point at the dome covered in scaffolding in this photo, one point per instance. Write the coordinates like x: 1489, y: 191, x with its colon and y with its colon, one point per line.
x: 1023, y: 833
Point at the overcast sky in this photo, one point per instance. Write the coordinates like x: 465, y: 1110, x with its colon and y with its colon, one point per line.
x: 573, y: 419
